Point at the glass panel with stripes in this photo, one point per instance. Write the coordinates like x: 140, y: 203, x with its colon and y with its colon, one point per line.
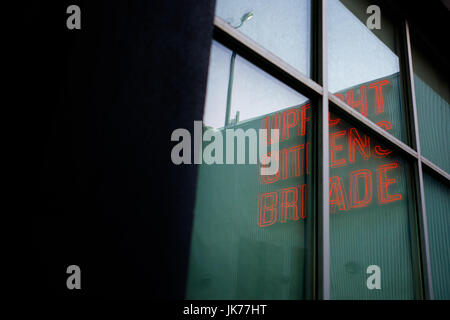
x: 372, y: 218
x: 437, y: 200
x: 253, y: 230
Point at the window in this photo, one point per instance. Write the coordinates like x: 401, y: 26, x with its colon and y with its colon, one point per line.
x: 371, y: 217
x: 437, y: 198
x: 364, y: 68
x: 367, y: 188
x: 252, y: 234
x: 282, y: 27
x: 433, y: 108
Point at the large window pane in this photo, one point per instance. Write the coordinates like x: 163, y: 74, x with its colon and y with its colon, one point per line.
x: 371, y: 218
x: 437, y: 199
x: 252, y: 234
x: 253, y: 93
x: 431, y: 83
x: 218, y: 76
x: 363, y: 64
x: 282, y: 27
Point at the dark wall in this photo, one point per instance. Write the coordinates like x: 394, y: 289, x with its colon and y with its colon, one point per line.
x: 100, y: 105
x: 429, y: 20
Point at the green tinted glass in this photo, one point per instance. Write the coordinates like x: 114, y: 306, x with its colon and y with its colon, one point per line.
x: 252, y: 234
x: 437, y: 199
x: 371, y: 218
x: 433, y: 109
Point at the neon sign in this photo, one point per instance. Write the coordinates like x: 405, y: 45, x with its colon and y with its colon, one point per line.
x: 349, y: 147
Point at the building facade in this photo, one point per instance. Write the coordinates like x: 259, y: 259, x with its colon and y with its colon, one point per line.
x: 363, y: 190
x: 358, y: 91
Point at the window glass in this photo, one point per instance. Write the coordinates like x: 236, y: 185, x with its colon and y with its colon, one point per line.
x: 363, y: 64
x: 282, y: 27
x: 437, y: 200
x: 218, y: 75
x: 247, y: 86
x: 252, y: 233
x: 432, y: 89
x: 371, y: 218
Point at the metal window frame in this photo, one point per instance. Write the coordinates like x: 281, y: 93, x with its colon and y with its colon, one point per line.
x: 428, y: 284
x: 324, y: 208
x: 318, y: 90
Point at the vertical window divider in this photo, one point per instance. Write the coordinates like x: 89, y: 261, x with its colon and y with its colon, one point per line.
x: 423, y: 216
x: 323, y: 147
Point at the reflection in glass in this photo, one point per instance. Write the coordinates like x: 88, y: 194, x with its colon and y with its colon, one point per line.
x: 253, y: 93
x: 282, y: 27
x: 370, y: 217
x: 432, y: 89
x: 218, y: 76
x: 437, y: 199
x: 363, y: 64
x: 252, y: 234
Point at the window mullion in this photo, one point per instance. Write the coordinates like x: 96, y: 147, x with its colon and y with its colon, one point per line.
x: 421, y: 193
x: 324, y: 212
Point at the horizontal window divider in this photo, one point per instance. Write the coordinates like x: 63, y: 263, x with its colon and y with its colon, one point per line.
x: 371, y: 127
x: 264, y: 59
x: 436, y: 170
